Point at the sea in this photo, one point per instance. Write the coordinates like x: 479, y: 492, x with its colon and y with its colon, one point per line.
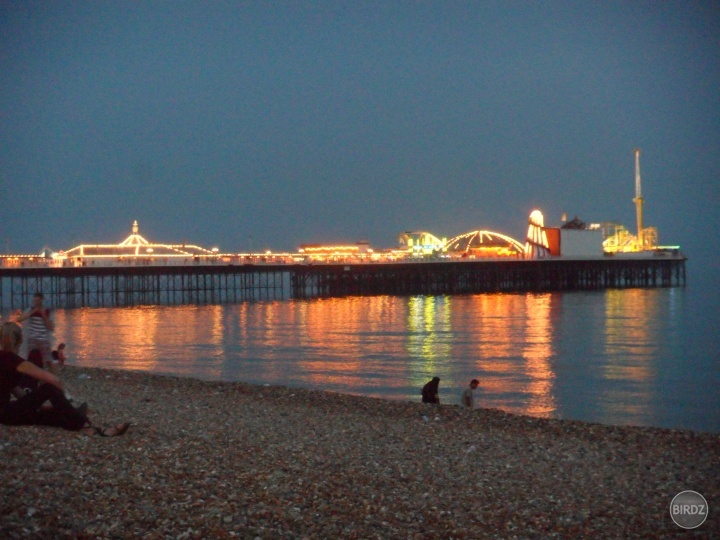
x: 647, y: 357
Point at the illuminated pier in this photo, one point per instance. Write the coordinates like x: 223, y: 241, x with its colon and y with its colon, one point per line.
x: 138, y: 272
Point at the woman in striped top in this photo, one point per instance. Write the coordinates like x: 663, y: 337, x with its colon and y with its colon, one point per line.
x: 39, y: 330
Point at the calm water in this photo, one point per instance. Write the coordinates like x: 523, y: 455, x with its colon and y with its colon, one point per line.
x: 636, y: 356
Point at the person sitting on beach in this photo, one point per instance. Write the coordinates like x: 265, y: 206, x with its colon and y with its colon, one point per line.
x: 467, y: 395
x: 26, y: 383
x: 28, y: 408
x: 430, y: 391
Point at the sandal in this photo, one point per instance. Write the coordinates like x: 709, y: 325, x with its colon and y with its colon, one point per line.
x: 113, y: 431
x: 83, y: 409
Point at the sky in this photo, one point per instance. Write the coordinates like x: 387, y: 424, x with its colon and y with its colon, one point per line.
x: 265, y: 125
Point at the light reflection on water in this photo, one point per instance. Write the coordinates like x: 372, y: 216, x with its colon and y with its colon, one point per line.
x: 595, y: 356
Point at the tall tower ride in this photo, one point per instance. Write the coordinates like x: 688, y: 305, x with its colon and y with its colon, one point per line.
x: 638, y: 200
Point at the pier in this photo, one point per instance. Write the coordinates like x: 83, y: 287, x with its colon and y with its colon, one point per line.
x: 119, y: 286
x: 472, y: 277
x: 129, y: 285
x: 138, y: 272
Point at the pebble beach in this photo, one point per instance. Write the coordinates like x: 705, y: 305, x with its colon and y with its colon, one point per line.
x: 231, y: 460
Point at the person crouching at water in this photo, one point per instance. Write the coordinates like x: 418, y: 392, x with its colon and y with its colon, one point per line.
x: 430, y: 391
x: 467, y: 395
x: 28, y: 408
x: 58, y: 355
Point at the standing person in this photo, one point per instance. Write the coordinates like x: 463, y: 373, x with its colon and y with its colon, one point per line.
x: 430, y: 391
x: 40, y: 328
x: 28, y: 408
x: 467, y: 395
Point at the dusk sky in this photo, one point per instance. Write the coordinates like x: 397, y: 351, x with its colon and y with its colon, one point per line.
x: 254, y: 125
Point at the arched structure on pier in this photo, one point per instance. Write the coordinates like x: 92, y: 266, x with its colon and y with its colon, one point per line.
x: 484, y: 244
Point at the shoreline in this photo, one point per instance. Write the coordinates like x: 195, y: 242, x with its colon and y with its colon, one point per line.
x: 227, y: 459
x: 450, y: 397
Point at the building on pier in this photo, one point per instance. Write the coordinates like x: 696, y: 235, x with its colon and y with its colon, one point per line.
x: 134, y: 247
x: 421, y: 244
